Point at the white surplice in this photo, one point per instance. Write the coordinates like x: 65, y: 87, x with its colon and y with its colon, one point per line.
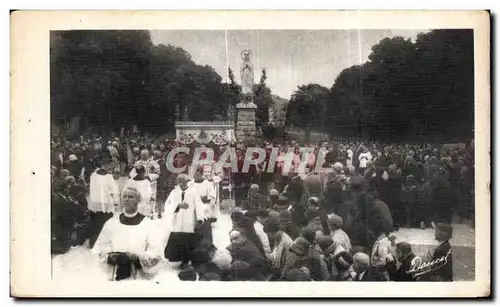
x: 104, y: 193
x: 216, y: 180
x: 142, y: 240
x: 183, y: 220
x: 205, y: 188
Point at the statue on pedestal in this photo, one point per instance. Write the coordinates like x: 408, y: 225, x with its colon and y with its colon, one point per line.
x: 247, y: 82
x: 246, y: 72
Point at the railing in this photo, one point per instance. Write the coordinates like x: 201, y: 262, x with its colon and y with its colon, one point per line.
x: 215, y: 124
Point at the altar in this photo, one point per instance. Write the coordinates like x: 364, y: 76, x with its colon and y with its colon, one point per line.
x: 204, y: 133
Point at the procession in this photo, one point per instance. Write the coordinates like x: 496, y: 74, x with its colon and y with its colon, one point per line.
x: 220, y: 202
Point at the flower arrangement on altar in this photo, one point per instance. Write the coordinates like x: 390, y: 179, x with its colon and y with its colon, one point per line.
x: 186, y: 138
x: 220, y: 139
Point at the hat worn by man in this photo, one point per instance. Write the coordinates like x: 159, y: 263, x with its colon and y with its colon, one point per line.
x: 358, y: 183
x: 335, y: 220
x: 343, y: 260
x: 444, y: 229
x: 271, y: 227
x: 325, y: 242
x: 308, y: 234
x: 300, y: 246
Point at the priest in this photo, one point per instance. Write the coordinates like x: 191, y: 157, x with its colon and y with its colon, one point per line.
x: 184, y: 213
x: 128, y: 244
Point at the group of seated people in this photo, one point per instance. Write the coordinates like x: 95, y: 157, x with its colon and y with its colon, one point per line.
x: 266, y: 247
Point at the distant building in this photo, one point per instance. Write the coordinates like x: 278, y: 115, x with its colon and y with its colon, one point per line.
x: 277, y: 111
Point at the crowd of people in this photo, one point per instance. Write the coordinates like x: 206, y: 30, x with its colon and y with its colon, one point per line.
x: 288, y: 224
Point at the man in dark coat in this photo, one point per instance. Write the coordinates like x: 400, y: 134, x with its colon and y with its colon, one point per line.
x: 405, y: 257
x: 365, y: 272
x: 313, y: 186
x: 65, y: 213
x: 294, y: 190
x: 442, y: 258
x: 368, y: 217
x: 255, y: 200
x: 242, y: 249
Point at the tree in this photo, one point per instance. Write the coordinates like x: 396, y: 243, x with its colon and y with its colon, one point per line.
x: 263, y: 100
x: 307, y: 108
x: 232, y: 90
x: 96, y: 74
x: 115, y: 79
x: 408, y: 91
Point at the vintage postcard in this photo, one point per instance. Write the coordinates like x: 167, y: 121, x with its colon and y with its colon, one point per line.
x: 245, y: 153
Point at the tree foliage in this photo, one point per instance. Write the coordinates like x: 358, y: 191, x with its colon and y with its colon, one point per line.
x: 307, y: 107
x: 114, y: 79
x: 263, y: 100
x: 421, y: 90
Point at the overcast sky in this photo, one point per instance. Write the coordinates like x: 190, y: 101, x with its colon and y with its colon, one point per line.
x: 291, y: 57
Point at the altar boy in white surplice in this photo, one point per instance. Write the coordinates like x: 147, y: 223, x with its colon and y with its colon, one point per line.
x: 129, y: 244
x: 206, y: 191
x: 184, y: 212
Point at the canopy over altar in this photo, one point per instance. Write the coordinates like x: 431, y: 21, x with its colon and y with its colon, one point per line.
x: 216, y: 132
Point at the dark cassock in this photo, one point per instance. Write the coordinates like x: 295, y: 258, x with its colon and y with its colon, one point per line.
x: 184, y: 212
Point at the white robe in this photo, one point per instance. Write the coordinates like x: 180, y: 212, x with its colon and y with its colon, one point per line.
x: 143, y: 240
x: 216, y: 207
x: 104, y: 193
x: 364, y: 159
x: 152, y: 172
x: 349, y: 157
x: 183, y: 220
x: 206, y: 188
x: 144, y: 188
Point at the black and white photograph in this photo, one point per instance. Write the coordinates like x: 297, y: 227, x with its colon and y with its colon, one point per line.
x: 265, y: 155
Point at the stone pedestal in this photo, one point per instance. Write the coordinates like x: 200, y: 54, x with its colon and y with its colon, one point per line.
x: 245, y: 122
